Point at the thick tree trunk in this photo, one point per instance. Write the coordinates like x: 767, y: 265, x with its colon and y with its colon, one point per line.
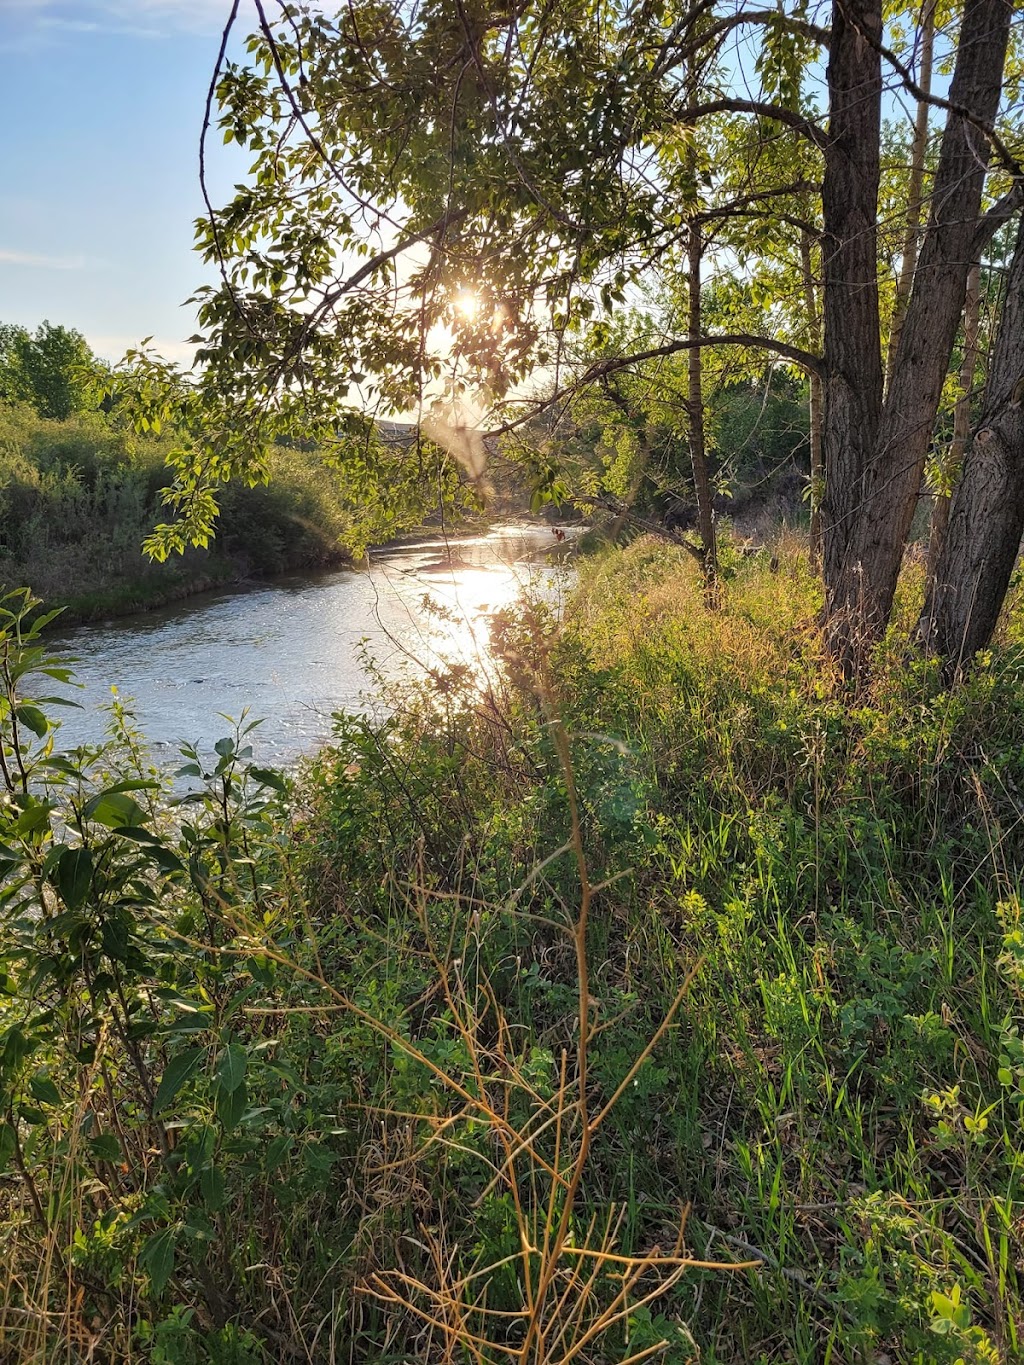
x: 695, y: 411
x: 872, y: 502
x: 915, y: 185
x: 852, y: 397
x: 815, y: 396
x: 958, y: 446
x: 987, y: 516
x: 817, y: 468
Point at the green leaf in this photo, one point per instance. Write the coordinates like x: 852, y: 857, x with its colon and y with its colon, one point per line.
x: 44, y: 1090
x: 231, y: 1067
x: 267, y: 777
x: 34, y: 817
x: 277, y: 1152
x: 211, y: 1182
x: 8, y: 1143
x: 231, y: 1106
x: 179, y: 1069
x: 157, y: 1258
x: 33, y: 719
x: 105, y: 1147
x: 114, y: 809
x: 74, y: 876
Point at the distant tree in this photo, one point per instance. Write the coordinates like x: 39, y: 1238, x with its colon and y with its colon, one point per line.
x: 12, y: 338
x: 51, y: 368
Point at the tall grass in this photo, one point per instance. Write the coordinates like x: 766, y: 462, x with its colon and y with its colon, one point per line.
x: 661, y: 1002
x: 78, y: 497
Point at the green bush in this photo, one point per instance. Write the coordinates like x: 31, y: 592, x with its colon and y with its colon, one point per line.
x: 78, y: 497
x: 340, y: 1062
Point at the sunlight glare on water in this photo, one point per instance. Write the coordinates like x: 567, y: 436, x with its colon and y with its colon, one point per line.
x: 292, y: 650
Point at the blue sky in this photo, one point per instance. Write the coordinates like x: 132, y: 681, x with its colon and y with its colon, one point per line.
x: 101, y: 104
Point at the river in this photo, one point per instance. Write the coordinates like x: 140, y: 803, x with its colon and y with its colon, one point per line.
x: 293, y: 650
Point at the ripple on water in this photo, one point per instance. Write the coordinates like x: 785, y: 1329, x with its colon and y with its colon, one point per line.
x: 292, y: 651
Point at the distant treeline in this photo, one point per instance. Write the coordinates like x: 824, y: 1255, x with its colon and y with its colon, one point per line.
x: 80, y: 490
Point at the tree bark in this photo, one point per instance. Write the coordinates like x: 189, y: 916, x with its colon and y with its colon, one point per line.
x: 852, y: 388
x: 695, y: 410
x: 915, y: 185
x: 958, y: 446
x: 987, y: 515
x: 872, y: 491
x: 815, y: 396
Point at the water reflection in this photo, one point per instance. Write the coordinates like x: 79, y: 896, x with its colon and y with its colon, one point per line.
x: 292, y: 651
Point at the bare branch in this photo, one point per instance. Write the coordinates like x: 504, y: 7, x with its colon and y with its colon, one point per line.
x: 207, y: 119
x: 599, y: 371
x: 671, y: 53
x: 1009, y: 161
x: 1000, y: 213
x: 805, y: 359
x: 761, y: 109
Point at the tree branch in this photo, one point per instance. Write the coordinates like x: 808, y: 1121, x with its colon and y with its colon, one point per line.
x: 1009, y: 161
x: 1000, y: 213
x: 670, y: 53
x: 204, y: 188
x: 745, y: 201
x: 812, y: 364
x: 805, y: 359
x: 776, y: 112
x: 607, y: 503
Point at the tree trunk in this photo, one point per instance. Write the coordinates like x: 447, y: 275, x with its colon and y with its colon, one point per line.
x: 814, y: 384
x: 986, y: 519
x: 852, y: 389
x: 695, y: 412
x: 958, y: 446
x: 873, y: 491
x: 915, y: 185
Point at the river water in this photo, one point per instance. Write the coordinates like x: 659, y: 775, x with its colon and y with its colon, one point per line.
x: 293, y: 650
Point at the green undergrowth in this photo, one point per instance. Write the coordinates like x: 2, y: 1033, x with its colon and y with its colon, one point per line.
x: 79, y: 496
x: 661, y: 946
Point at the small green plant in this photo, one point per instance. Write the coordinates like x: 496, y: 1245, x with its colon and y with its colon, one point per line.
x: 423, y: 1052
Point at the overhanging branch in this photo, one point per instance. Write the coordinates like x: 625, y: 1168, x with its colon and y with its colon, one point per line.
x: 796, y: 355
x: 778, y: 113
x: 808, y: 362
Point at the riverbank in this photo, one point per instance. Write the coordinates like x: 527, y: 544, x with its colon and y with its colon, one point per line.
x: 658, y: 996
x: 154, y: 588
x: 78, y: 497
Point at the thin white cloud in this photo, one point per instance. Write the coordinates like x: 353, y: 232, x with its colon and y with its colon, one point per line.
x: 194, y: 16
x: 47, y: 19
x: 58, y: 25
x: 34, y: 261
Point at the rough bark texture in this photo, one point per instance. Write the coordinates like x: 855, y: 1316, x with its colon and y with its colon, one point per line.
x: 915, y: 185
x: 987, y: 515
x: 852, y: 388
x: 874, y: 470
x: 815, y: 397
x: 695, y: 411
x: 957, y: 448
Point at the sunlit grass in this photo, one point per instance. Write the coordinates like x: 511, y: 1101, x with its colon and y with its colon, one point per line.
x: 669, y: 949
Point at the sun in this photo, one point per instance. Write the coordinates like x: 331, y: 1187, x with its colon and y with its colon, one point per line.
x: 467, y: 304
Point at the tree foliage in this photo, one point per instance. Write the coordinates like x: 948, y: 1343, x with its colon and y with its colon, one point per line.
x: 51, y: 368
x: 541, y: 161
